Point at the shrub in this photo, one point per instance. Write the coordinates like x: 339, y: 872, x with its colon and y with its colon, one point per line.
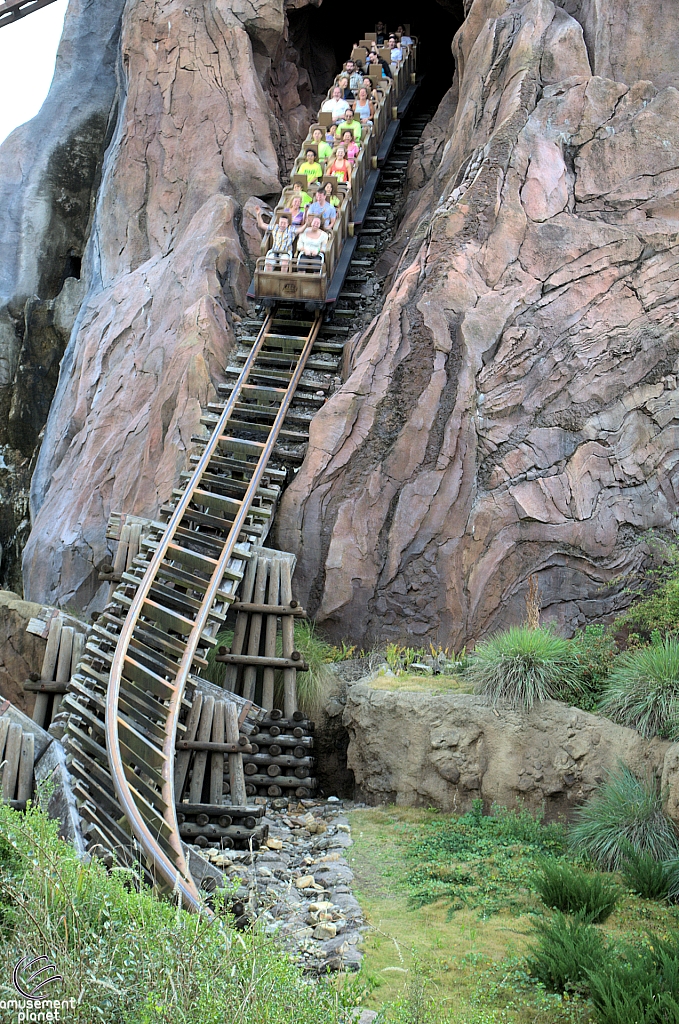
x: 647, y: 877
x: 574, y: 891
x: 596, y: 650
x: 522, y: 666
x: 642, y: 690
x: 568, y: 949
x: 658, y: 609
x: 641, y: 987
x: 624, y: 813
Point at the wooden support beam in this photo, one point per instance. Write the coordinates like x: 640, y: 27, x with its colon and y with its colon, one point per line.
x: 214, y: 748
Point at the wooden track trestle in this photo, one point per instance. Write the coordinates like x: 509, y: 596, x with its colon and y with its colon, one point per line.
x: 140, y: 671
x: 188, y: 585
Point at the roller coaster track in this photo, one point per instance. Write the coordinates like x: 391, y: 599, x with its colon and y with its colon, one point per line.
x: 12, y: 10
x: 177, y: 597
x: 132, y: 697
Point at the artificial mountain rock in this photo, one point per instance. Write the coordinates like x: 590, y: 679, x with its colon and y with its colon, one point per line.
x: 514, y: 408
x: 200, y: 106
x: 447, y: 750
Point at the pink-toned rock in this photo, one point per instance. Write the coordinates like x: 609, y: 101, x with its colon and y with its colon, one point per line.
x: 512, y: 409
x: 165, y: 266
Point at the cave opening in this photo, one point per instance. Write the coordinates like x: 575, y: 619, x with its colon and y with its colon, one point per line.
x: 324, y: 40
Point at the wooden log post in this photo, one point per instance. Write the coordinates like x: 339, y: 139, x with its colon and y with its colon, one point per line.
x: 270, y: 634
x: 25, y: 783
x: 250, y: 674
x: 217, y: 759
x: 181, y: 761
x: 236, y: 774
x: 49, y: 664
x: 288, y: 631
x: 63, y: 673
x: 200, y: 760
x: 11, y: 758
x: 231, y: 677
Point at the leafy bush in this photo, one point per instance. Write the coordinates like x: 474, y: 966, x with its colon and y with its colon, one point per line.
x: 127, y: 957
x: 642, y: 690
x: 624, y: 813
x: 596, y: 650
x: 574, y: 891
x: 521, y: 666
x: 641, y: 987
x: 568, y: 950
x: 658, y: 609
x: 647, y: 877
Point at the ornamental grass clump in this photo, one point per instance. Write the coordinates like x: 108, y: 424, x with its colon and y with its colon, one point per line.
x: 626, y: 812
x: 521, y: 666
x: 573, y: 891
x: 647, y: 877
x: 642, y: 690
x: 567, y: 950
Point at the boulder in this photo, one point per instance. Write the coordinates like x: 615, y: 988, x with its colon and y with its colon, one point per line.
x: 445, y: 751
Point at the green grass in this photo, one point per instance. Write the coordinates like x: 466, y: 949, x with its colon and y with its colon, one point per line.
x: 642, y: 690
x: 520, y: 666
x: 127, y: 957
x: 625, y: 812
x: 483, y: 862
x: 311, y: 685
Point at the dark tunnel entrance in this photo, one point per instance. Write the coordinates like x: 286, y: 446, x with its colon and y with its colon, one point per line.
x: 325, y: 35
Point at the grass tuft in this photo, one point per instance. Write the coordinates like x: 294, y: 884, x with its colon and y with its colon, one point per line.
x: 626, y: 812
x: 573, y: 891
x: 567, y: 950
x: 642, y: 690
x: 521, y: 666
x: 647, y: 877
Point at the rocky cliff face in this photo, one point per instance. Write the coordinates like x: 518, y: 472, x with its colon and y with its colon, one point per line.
x: 514, y: 409
x: 447, y: 750
x: 162, y: 122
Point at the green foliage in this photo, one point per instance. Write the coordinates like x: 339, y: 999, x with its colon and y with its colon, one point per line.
x: 127, y: 957
x: 567, y: 950
x: 659, y: 609
x: 477, y: 860
x: 573, y: 891
x: 624, y: 812
x: 638, y: 985
x: 642, y: 690
x: 521, y: 666
x: 647, y: 877
x: 596, y: 650
x: 316, y: 651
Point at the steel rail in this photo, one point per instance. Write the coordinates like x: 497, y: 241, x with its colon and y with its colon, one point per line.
x: 13, y: 10
x: 177, y: 873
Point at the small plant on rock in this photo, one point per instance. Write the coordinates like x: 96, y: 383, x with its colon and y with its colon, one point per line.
x: 574, y: 891
x: 521, y: 666
x: 566, y: 951
x: 642, y: 690
x: 596, y: 651
x: 626, y: 812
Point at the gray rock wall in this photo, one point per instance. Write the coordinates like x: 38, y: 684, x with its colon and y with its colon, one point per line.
x: 445, y: 751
